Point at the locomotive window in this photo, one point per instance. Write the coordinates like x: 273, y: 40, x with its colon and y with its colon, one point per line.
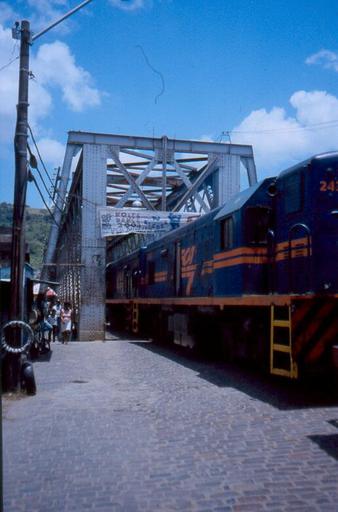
x: 257, y: 223
x: 293, y: 193
x: 151, y: 272
x: 227, y: 233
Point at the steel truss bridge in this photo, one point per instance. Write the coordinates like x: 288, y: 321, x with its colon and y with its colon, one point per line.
x: 159, y: 174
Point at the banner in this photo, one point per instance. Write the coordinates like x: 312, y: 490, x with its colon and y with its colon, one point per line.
x: 123, y: 221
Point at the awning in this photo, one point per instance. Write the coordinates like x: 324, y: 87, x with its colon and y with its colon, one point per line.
x: 37, y: 288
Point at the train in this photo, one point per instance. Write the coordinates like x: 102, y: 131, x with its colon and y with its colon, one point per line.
x: 254, y: 280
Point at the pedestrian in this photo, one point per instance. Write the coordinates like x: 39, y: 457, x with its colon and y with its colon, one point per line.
x: 53, y: 322
x: 44, y: 306
x: 66, y: 322
x: 57, y: 307
x: 45, y: 326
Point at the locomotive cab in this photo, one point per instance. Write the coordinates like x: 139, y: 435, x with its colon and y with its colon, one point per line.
x: 306, y: 234
x: 324, y: 180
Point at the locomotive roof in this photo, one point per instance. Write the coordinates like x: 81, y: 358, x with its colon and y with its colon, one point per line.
x: 331, y: 155
x: 238, y: 200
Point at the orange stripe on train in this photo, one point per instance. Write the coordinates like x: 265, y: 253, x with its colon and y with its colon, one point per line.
x: 240, y: 251
x: 241, y: 260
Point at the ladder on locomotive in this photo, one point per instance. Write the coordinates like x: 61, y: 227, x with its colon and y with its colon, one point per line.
x: 281, y: 361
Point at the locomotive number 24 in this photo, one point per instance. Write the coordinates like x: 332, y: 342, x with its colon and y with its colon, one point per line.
x: 329, y: 186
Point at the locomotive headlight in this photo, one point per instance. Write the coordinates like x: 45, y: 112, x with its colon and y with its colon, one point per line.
x: 327, y: 286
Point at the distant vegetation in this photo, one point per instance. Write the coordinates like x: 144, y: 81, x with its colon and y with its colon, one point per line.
x: 37, y: 229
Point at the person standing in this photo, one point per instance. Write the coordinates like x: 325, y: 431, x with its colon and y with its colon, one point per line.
x: 53, y: 322
x: 57, y: 308
x: 66, y: 322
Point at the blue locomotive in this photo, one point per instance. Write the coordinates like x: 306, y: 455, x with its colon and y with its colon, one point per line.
x: 255, y: 279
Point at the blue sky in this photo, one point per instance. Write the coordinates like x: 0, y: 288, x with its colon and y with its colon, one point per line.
x: 265, y: 70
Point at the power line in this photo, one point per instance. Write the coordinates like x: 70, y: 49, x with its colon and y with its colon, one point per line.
x: 39, y: 154
x: 49, y: 195
x: 316, y: 126
x: 15, y: 45
x: 9, y: 63
x: 35, y: 166
x: 32, y: 178
x: 54, y: 189
x: 83, y: 199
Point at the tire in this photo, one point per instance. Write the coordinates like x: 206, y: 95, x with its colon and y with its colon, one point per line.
x: 27, y: 378
x: 13, y: 349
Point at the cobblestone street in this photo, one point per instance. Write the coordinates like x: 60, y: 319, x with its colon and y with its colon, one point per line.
x: 128, y: 426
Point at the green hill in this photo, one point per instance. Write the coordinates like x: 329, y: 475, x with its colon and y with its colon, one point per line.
x: 37, y: 229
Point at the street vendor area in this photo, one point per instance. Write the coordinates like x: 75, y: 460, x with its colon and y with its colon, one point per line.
x: 127, y: 425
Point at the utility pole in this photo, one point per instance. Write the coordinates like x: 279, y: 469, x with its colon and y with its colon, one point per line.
x: 20, y: 149
x: 12, y: 374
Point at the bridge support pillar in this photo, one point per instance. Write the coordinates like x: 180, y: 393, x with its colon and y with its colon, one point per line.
x: 227, y: 178
x: 93, y: 247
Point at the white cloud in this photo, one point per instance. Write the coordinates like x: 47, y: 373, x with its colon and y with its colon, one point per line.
x: 7, y: 13
x: 52, y: 150
x: 279, y: 140
x: 55, y: 65
x: 48, y: 7
x: 40, y: 13
x: 206, y: 138
x: 314, y: 107
x: 44, y: 12
x: 8, y: 84
x: 325, y: 58
x: 128, y: 5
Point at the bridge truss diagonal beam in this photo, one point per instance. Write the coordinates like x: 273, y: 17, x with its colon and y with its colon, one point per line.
x: 133, y: 185
x: 139, y: 180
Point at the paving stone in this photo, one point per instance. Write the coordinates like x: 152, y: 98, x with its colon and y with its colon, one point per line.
x: 132, y: 427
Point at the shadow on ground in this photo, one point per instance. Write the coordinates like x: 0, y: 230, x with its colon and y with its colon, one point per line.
x: 45, y: 357
x: 328, y: 443
x: 278, y: 392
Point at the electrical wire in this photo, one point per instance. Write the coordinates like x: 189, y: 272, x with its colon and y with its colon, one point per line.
x: 49, y: 195
x: 15, y: 45
x: 35, y: 166
x: 327, y: 124
x: 77, y: 196
x: 9, y: 63
x: 54, y: 190
x: 43, y: 199
x: 39, y: 154
x: 44, y: 183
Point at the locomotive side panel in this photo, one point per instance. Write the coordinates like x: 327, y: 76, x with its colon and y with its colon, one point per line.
x: 241, y: 259
x: 228, y: 256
